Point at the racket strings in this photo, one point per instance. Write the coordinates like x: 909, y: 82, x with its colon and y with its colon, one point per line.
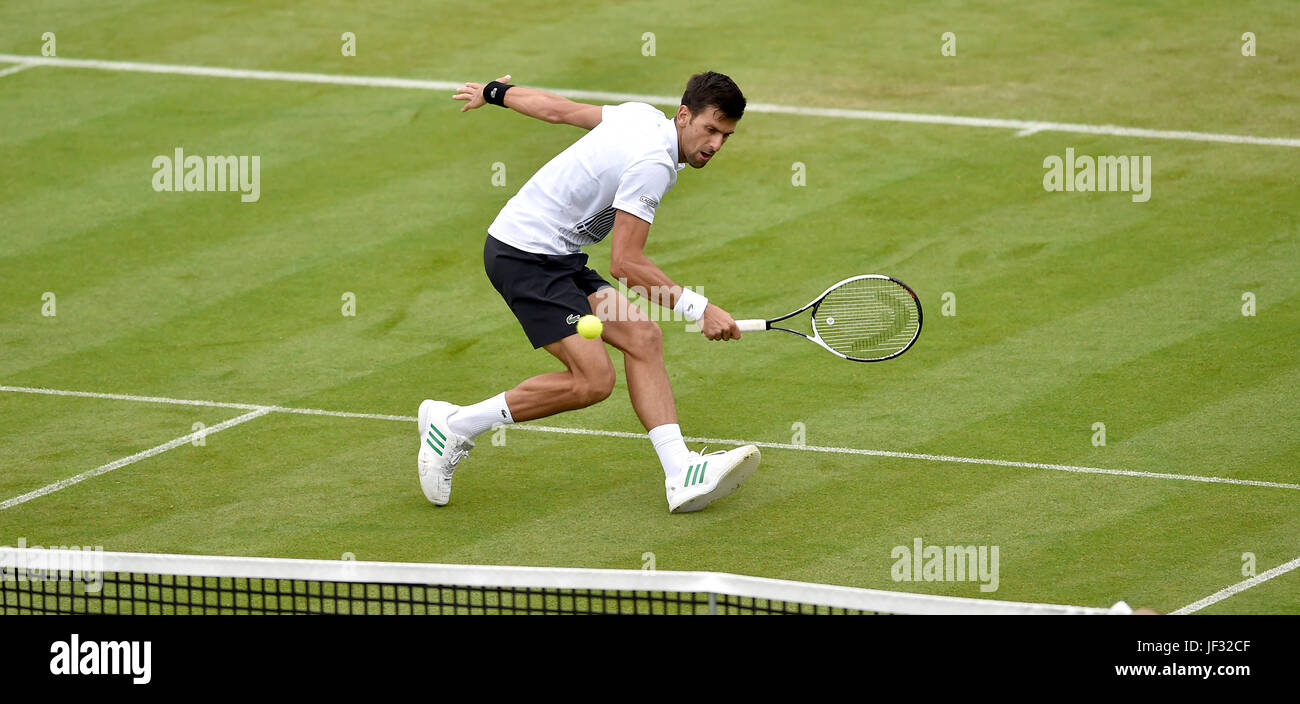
x: 867, y: 318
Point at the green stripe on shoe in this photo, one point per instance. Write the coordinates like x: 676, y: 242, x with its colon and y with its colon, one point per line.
x: 695, y: 474
x: 435, y: 447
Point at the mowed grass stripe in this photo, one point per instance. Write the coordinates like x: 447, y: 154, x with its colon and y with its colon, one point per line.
x: 85, y: 181
x: 708, y: 440
x: 299, y: 264
x: 1024, y: 127
x: 296, y: 171
x: 45, y: 438
x: 1136, y: 318
x: 292, y: 487
x: 284, y: 490
x: 1095, y: 540
x: 1235, y: 409
x: 1144, y: 427
x: 338, y: 122
x: 1180, y: 539
x: 318, y: 347
x: 132, y: 459
x: 999, y: 507
x: 1050, y: 258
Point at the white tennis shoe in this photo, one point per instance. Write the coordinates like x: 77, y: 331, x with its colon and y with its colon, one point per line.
x: 440, y: 450
x: 710, y: 477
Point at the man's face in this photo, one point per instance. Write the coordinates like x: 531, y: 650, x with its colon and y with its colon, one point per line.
x: 700, y: 136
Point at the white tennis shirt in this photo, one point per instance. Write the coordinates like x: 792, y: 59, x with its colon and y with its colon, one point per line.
x: 627, y: 162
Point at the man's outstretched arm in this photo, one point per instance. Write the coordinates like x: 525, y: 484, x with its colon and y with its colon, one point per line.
x: 534, y: 103
x: 629, y: 263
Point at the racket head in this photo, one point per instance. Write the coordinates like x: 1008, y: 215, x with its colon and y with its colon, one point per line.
x: 867, y: 318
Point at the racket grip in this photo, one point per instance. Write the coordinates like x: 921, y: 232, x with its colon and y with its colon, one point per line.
x: 752, y: 325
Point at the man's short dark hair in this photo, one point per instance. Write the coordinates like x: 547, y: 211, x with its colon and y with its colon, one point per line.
x: 710, y: 89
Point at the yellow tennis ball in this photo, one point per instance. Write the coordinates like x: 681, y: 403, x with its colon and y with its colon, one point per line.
x: 590, y: 327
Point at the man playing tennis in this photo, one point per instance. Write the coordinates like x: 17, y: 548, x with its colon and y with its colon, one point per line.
x: 610, y: 180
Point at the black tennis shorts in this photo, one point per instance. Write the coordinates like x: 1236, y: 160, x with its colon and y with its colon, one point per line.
x: 546, y: 292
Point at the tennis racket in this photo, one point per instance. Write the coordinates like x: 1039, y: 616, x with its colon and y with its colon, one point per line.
x: 868, y: 318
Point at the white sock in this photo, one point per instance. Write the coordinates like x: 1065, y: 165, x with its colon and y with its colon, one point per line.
x: 671, y: 447
x: 469, y: 421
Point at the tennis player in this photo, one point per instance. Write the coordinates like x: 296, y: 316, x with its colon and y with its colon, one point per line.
x: 612, y: 180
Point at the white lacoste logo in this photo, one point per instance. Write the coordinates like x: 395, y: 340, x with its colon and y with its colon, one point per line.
x: 572, y: 319
x: 650, y: 202
x: 494, y: 92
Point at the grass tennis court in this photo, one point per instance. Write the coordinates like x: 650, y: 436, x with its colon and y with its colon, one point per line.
x: 1071, y: 309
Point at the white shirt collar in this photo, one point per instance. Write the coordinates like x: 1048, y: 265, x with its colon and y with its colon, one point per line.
x: 673, y: 150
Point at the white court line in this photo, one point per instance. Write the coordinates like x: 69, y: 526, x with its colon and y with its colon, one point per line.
x: 117, y: 464
x: 711, y: 441
x: 209, y: 404
x: 935, y: 458
x: 1238, y: 588
x: 15, y: 69
x: 1022, y: 127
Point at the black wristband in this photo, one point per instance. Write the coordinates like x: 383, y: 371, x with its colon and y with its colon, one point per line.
x: 495, y: 93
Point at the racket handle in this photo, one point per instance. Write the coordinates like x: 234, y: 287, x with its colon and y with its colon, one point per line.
x: 752, y: 325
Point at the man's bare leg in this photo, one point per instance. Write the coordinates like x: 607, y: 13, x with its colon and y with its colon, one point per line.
x: 641, y: 341
x: 447, y: 431
x: 588, y: 379
x: 630, y: 329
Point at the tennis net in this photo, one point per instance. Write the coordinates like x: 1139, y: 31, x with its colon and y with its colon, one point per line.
x: 60, y: 581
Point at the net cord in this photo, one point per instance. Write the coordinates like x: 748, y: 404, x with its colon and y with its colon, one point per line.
x: 366, y: 572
